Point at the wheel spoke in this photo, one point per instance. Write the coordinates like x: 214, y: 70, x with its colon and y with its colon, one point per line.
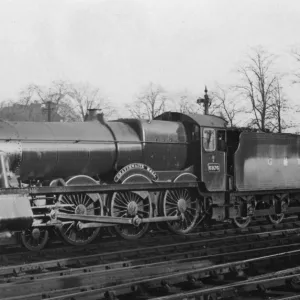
x: 171, y: 209
x: 120, y: 206
x: 68, y: 210
x: 143, y: 212
x: 171, y: 203
x: 66, y: 200
x: 172, y: 199
x: 69, y: 228
x: 125, y: 198
x: 91, y: 209
x: 139, y: 199
x: 85, y: 200
x: 189, y: 214
x: 74, y: 198
x: 124, y: 211
x: 191, y: 208
x: 177, y: 195
x: 120, y: 202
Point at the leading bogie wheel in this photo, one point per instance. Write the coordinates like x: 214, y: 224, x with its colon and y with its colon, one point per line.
x: 82, y: 204
x: 130, y: 204
x: 35, y: 239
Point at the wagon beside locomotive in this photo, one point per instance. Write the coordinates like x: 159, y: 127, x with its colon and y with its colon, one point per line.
x: 181, y: 169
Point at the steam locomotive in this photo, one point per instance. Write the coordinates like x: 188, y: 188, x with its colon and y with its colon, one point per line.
x: 179, y: 169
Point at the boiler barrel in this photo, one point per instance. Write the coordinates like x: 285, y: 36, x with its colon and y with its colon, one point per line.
x: 52, y: 150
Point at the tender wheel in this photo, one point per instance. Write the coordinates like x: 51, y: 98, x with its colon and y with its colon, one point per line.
x: 250, y: 202
x: 277, y: 218
x: 131, y: 204
x: 184, y: 203
x: 82, y: 204
x: 35, y: 239
x: 242, y: 222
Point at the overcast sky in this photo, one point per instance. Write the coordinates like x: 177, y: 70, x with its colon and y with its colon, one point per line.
x: 123, y: 45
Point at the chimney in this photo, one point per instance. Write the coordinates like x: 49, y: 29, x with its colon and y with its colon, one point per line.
x: 94, y: 114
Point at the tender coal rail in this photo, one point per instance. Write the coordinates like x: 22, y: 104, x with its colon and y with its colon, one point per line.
x: 72, y: 275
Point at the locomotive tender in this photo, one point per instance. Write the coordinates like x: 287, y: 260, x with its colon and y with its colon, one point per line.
x: 178, y: 169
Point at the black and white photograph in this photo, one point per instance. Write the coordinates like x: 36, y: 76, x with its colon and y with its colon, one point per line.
x: 149, y: 149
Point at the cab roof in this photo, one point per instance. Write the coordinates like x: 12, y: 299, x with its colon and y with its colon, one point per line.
x: 201, y: 120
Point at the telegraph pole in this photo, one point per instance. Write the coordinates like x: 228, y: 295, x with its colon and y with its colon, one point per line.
x: 206, y: 101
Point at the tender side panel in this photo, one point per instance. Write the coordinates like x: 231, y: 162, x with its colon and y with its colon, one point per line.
x: 267, y: 161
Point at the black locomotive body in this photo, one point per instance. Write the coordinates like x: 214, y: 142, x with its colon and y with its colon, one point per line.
x: 47, y: 151
x: 184, y: 169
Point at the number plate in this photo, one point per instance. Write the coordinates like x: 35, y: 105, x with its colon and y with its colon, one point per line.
x: 213, y: 167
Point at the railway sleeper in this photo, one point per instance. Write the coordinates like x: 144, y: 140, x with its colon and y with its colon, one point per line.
x: 151, y: 284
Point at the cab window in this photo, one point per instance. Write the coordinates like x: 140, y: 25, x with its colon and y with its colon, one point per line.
x: 221, y: 140
x: 195, y: 133
x: 209, y: 139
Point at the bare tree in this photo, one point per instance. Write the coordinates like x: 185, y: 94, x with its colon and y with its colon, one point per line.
x: 150, y: 103
x: 67, y: 111
x: 258, y: 86
x: 185, y: 103
x: 86, y: 97
x: 280, y: 106
x: 225, y: 104
x: 57, y: 93
x: 296, y: 55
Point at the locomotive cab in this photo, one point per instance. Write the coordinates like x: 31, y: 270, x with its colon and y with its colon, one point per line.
x: 207, y: 140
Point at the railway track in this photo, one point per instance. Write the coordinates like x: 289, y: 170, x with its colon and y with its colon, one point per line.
x: 17, y: 255
x: 203, y: 279
x: 283, y: 285
x: 213, y: 255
